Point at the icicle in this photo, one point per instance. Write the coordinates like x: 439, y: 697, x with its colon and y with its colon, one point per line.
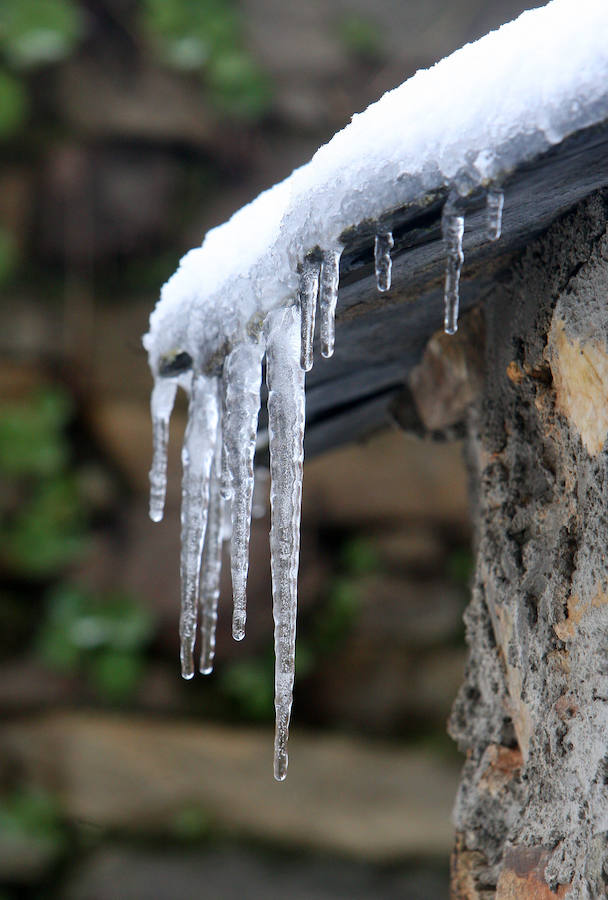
x: 309, y: 290
x: 211, y: 568
x: 242, y: 380
x: 452, y: 227
x: 163, y: 398
x: 383, y: 245
x: 494, y: 203
x: 197, y: 457
x: 328, y: 298
x: 286, y: 437
x: 226, y: 518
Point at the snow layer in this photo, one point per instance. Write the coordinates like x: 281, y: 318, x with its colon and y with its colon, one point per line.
x: 253, y: 285
x: 469, y: 119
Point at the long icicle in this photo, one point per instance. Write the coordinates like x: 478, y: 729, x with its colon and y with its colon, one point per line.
x: 161, y: 406
x: 242, y: 381
x: 452, y: 227
x: 197, y: 457
x: 328, y: 298
x: 309, y: 291
x: 286, y: 401
x: 211, y: 567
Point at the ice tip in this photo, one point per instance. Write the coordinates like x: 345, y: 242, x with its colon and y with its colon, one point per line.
x: 187, y: 667
x: 156, y: 515
x: 280, y: 767
x: 206, y: 669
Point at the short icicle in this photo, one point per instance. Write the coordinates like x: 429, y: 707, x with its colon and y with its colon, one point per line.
x: 495, y: 200
x: 286, y: 402
x: 197, y: 458
x: 241, y: 391
x: 163, y: 398
x: 211, y: 568
x: 452, y: 227
x: 383, y: 245
x: 309, y: 290
x: 328, y: 298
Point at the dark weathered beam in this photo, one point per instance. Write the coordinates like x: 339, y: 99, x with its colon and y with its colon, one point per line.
x: 380, y: 337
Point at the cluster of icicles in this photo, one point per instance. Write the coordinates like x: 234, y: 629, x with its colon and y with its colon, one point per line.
x: 219, y: 448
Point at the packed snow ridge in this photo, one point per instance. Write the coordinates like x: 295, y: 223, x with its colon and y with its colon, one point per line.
x: 251, y: 291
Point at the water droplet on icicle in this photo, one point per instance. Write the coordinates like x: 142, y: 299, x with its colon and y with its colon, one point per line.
x: 198, y: 453
x: 328, y: 298
x: 308, y: 293
x: 161, y: 404
x: 211, y: 568
x: 495, y: 200
x: 286, y: 401
x: 242, y: 380
x: 383, y: 245
x: 452, y: 227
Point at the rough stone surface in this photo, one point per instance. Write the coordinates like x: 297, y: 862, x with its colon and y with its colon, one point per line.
x: 532, y: 809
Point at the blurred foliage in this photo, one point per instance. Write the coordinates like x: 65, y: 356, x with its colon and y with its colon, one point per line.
x: 336, y: 618
x: 37, y: 32
x: 46, y: 532
x: 359, y: 556
x: 30, y: 818
x: 102, y: 635
x: 190, y: 824
x: 191, y: 32
x: 9, y: 254
x: 460, y: 567
x: 41, y: 512
x: 13, y: 113
x: 361, y: 38
x: 249, y: 685
x: 238, y: 86
x: 206, y: 36
x: 32, y: 439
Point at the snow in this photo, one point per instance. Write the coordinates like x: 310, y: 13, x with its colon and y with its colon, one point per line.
x: 253, y: 286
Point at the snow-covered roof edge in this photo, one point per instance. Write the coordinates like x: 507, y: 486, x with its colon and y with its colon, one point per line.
x: 251, y: 291
x: 467, y: 121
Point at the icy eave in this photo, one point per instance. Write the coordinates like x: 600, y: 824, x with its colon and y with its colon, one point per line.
x: 376, y: 222
x: 523, y: 108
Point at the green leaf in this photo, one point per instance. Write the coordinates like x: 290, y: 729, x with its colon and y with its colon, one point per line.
x: 238, y: 86
x: 362, y: 38
x: 250, y: 685
x: 102, y: 633
x: 32, y: 813
x: 37, y: 32
x: 190, y: 32
x: 115, y: 674
x: 31, y: 434
x: 48, y: 531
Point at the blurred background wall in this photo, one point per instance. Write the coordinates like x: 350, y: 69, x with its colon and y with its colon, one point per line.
x: 127, y: 129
